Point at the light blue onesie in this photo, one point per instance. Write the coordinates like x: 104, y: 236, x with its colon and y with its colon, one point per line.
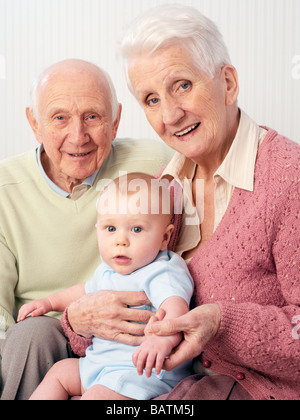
x: 110, y: 363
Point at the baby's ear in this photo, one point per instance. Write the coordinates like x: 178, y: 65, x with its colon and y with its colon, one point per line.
x: 167, y: 237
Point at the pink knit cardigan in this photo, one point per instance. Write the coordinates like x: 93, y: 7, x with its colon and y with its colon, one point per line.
x: 251, y: 268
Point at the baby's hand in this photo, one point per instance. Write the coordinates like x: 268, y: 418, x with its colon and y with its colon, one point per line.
x: 35, y: 308
x: 159, y: 316
x: 152, y: 353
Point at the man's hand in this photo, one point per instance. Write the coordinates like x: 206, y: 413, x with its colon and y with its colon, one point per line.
x: 105, y: 314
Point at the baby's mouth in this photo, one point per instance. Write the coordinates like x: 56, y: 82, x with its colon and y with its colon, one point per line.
x: 122, y: 260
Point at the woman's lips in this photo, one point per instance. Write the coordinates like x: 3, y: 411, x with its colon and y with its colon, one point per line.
x: 187, y: 130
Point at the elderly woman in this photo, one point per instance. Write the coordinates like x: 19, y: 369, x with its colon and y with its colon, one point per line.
x: 243, y: 252
x: 242, y: 242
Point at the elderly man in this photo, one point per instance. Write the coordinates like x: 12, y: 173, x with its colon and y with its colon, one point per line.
x: 48, y: 209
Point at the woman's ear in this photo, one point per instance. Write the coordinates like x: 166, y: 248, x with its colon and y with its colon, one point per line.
x: 167, y: 237
x: 232, y: 84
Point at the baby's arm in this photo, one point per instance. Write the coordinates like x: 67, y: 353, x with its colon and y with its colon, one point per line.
x: 155, y: 349
x: 55, y: 302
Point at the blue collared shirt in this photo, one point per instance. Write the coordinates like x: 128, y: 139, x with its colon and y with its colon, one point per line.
x: 88, y: 181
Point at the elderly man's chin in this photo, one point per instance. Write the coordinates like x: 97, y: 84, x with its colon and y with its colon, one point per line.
x: 81, y: 166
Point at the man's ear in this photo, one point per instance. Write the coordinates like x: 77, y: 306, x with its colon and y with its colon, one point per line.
x: 232, y: 84
x: 34, y: 124
x: 117, y: 122
x: 167, y: 237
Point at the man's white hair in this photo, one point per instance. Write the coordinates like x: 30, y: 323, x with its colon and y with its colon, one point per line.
x: 170, y: 25
x: 34, y: 92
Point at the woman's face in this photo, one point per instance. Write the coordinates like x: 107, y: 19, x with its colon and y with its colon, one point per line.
x: 186, y: 108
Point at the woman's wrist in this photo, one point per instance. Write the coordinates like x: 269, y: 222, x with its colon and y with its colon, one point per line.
x: 78, y: 343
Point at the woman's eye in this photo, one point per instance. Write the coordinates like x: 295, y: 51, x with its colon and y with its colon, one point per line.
x: 111, y: 229
x: 185, y: 86
x: 137, y: 229
x: 152, y: 101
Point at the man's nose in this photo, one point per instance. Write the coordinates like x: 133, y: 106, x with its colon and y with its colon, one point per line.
x: 78, y: 134
x: 171, y: 111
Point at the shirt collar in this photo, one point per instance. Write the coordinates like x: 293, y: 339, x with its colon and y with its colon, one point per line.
x: 180, y: 168
x: 238, y: 166
x: 88, y: 181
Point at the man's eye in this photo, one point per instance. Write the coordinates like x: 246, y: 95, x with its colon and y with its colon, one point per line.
x: 137, y: 229
x: 59, y: 118
x: 111, y: 229
x: 92, y: 117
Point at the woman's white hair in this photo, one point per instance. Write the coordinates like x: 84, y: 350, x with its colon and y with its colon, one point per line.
x: 170, y: 25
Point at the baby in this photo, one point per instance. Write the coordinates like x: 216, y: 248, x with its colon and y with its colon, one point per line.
x: 133, y: 231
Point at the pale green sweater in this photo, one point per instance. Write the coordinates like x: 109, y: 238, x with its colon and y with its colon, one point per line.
x: 48, y: 242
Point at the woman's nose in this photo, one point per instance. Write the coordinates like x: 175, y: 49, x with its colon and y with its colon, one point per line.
x: 171, y: 111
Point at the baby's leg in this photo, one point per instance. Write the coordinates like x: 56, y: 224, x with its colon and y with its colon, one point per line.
x: 100, y: 392
x: 61, y: 382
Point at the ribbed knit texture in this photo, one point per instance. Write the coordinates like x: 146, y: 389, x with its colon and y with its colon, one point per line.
x: 251, y: 268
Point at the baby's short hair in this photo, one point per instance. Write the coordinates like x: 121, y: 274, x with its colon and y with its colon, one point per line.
x: 126, y: 189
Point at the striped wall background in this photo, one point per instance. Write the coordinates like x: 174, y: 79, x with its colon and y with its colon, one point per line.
x: 263, y: 37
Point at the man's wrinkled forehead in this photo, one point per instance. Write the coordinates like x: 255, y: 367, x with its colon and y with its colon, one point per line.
x: 62, y: 80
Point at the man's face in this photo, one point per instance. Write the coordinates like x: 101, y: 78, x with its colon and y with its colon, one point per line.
x: 74, y: 125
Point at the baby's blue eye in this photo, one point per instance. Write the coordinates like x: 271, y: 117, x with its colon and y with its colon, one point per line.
x: 137, y: 229
x: 111, y: 229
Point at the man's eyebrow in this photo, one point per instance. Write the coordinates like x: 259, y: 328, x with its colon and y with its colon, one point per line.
x: 54, y: 111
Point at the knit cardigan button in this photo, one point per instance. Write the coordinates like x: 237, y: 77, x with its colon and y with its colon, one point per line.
x: 206, y: 364
x: 240, y: 376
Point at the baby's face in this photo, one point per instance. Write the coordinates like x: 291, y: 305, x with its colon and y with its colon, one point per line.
x: 129, y: 241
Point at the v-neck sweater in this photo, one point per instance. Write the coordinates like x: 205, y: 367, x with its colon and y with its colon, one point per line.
x: 48, y: 242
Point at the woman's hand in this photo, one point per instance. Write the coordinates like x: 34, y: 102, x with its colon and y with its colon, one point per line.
x: 105, y: 314
x: 198, y: 326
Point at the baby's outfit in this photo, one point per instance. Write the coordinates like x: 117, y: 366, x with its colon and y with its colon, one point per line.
x: 109, y: 363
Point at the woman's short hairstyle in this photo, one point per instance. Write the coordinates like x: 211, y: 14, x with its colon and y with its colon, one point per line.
x: 170, y: 25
